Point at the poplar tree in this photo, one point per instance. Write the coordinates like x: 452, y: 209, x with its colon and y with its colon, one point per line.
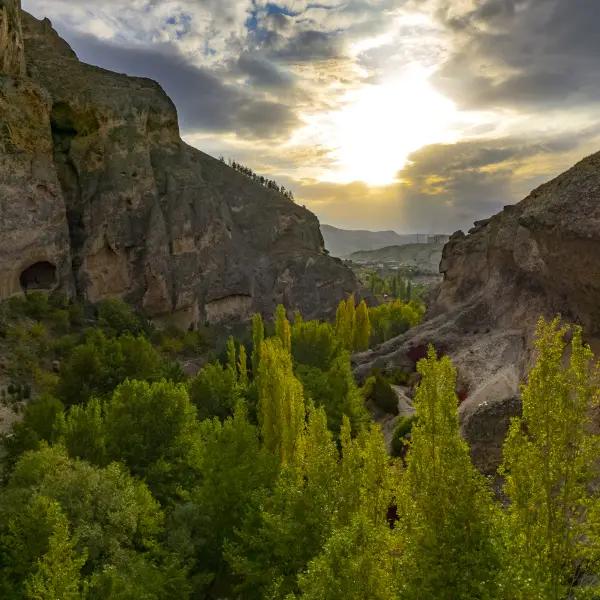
x: 243, y: 366
x: 344, y: 323
x: 362, y: 330
x: 258, y: 335
x: 280, y: 400
x: 282, y: 328
x: 550, y: 461
x: 447, y: 513
x: 232, y: 357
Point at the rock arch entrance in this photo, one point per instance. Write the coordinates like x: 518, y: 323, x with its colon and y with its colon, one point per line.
x: 39, y: 276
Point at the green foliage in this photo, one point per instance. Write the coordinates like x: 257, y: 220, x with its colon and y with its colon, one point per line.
x: 38, y: 425
x: 109, y: 514
x: 448, y: 518
x: 234, y: 467
x: 379, y: 391
x: 550, y: 463
x: 401, y: 435
x: 282, y: 328
x: 314, y: 343
x: 57, y: 573
x: 83, y: 432
x: 100, y: 364
x: 336, y: 391
x: 280, y: 400
x: 152, y: 428
x: 345, y: 322
x: 391, y: 319
x: 215, y: 391
x: 362, y: 329
x: 118, y: 318
x: 258, y: 336
x: 358, y: 561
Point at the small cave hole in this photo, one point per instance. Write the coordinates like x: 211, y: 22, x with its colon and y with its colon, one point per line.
x: 39, y: 276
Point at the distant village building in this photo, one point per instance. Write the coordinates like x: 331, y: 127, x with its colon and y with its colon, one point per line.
x: 438, y: 239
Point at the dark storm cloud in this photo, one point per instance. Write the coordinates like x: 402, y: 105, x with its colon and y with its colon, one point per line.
x: 204, y: 100
x: 522, y: 53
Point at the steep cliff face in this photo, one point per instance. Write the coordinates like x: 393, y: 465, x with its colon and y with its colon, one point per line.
x: 540, y: 257
x: 126, y: 209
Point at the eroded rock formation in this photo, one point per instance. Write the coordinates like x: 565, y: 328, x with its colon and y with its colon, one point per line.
x: 540, y: 257
x: 99, y: 196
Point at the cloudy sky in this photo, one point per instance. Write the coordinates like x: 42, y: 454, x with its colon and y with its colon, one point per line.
x: 413, y: 115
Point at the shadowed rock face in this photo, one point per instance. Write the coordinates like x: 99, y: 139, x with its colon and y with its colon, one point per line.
x: 540, y: 257
x: 96, y: 181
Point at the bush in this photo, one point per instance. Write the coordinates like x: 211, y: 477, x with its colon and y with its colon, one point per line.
x: 117, y: 317
x: 381, y: 393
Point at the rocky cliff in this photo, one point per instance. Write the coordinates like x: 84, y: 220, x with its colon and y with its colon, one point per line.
x: 538, y: 257
x: 99, y: 196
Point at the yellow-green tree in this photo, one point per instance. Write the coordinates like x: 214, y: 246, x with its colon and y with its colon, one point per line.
x: 282, y: 328
x: 362, y: 329
x: 344, y: 323
x: 550, y: 460
x: 448, y: 518
x: 280, y: 400
x: 258, y: 335
x: 57, y: 573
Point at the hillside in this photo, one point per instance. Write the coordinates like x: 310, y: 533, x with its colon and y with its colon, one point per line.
x: 101, y: 198
x: 423, y: 257
x: 540, y: 257
x: 343, y: 242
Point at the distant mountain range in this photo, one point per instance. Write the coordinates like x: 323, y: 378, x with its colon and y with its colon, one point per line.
x: 344, y: 242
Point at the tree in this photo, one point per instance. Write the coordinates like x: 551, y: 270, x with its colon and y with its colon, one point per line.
x: 362, y: 331
x: 214, y: 391
x: 266, y: 552
x: 243, y: 367
x: 336, y: 391
x: 280, y: 400
x: 550, y: 462
x: 448, y: 518
x: 83, y: 432
x: 314, y: 344
x: 57, y: 573
x: 344, y: 323
x: 282, y: 328
x: 109, y: 512
x: 258, y: 335
x: 152, y: 428
x: 98, y: 366
x: 358, y: 561
x: 234, y: 468
x: 38, y: 425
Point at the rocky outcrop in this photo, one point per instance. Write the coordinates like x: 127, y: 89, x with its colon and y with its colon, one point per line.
x: 540, y: 257
x: 12, y: 52
x: 101, y: 197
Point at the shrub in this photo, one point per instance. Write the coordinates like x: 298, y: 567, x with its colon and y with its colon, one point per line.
x: 381, y: 393
x: 117, y: 317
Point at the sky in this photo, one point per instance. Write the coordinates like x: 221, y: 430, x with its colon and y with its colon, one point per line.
x: 412, y: 115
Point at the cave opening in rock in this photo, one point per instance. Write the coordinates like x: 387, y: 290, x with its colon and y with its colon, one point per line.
x: 39, y: 276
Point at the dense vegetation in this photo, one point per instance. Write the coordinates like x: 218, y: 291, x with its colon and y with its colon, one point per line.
x: 263, y: 476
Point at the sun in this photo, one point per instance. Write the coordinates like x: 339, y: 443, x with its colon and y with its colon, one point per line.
x: 379, y: 125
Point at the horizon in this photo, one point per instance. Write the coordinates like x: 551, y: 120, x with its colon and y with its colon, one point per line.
x: 396, y: 115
